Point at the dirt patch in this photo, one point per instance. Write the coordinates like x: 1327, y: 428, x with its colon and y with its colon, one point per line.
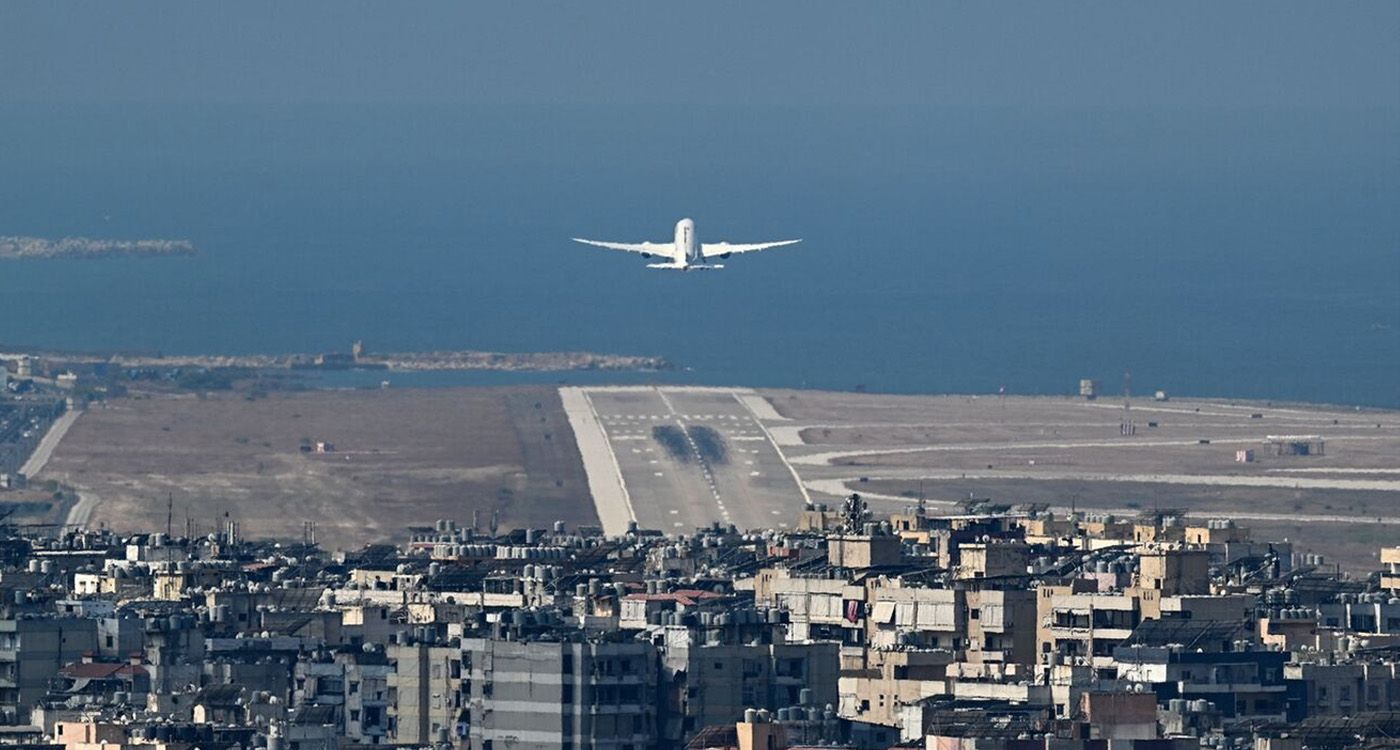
x: 400, y: 457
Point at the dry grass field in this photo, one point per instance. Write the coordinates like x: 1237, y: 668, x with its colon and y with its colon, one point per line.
x: 402, y: 457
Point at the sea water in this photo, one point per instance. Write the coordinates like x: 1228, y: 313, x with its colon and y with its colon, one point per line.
x: 1246, y: 253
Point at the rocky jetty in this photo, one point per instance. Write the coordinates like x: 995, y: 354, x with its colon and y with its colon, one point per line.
x: 12, y: 247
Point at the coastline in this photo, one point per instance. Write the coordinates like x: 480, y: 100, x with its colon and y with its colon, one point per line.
x: 442, y: 361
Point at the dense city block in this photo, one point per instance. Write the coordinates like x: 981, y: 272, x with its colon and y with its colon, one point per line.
x: 1012, y: 628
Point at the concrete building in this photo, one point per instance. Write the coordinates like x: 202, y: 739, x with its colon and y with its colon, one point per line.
x: 707, y: 684
x: 32, y: 651
x: 354, y: 684
x: 819, y: 608
x: 1003, y: 628
x: 916, y: 617
x: 1390, y: 573
x: 1080, y: 627
x: 426, y: 701
x: 1175, y: 571
x: 890, y: 680
x: 1346, y: 689
x: 1211, y: 661
x: 996, y: 630
x: 861, y: 551
x: 557, y: 696
x: 992, y: 559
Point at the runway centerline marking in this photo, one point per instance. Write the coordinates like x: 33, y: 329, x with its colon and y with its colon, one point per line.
x: 695, y: 449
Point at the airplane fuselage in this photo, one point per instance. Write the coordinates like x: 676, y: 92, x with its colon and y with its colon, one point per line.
x: 687, y: 248
x: 686, y: 254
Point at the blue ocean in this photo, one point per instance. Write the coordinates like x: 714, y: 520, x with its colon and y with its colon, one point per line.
x: 1243, y: 252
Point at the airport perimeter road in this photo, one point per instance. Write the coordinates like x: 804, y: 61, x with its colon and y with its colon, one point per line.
x: 686, y: 457
x: 40, y: 457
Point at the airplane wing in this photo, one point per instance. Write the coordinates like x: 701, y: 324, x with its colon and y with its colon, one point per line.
x: 712, y: 249
x: 663, y: 249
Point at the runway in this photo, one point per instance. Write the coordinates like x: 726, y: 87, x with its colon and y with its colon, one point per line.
x: 679, y: 458
x: 644, y: 460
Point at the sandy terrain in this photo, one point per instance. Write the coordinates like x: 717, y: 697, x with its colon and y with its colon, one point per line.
x: 402, y: 457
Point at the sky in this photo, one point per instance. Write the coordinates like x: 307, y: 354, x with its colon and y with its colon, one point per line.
x: 1138, y: 55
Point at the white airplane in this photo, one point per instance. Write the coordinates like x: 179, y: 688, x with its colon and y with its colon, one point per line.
x: 684, y: 252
